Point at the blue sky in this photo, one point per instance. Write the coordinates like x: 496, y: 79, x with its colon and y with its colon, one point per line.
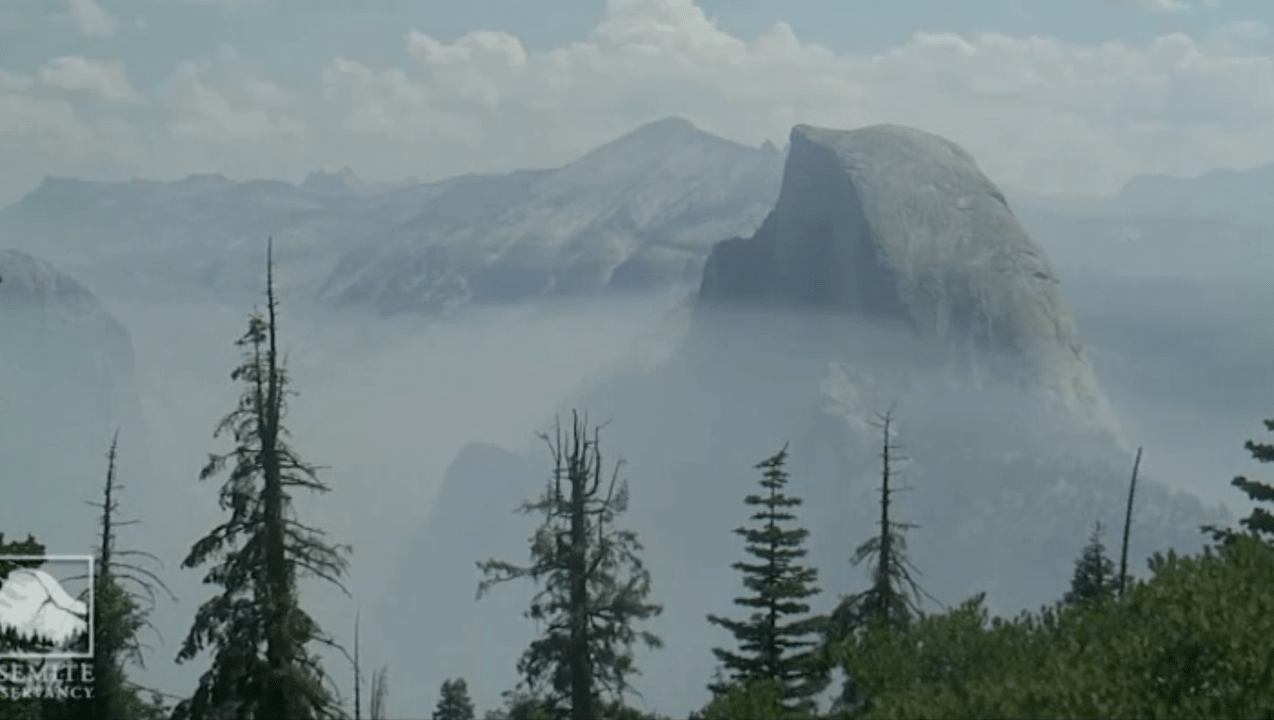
x: 161, y: 88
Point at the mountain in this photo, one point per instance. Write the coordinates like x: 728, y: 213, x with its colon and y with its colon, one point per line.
x: 66, y: 385
x: 1223, y: 193
x: 34, y: 605
x: 899, y: 226
x: 638, y: 213
x: 890, y: 276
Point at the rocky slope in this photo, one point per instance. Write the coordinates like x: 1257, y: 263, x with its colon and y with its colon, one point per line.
x: 66, y: 385
x: 638, y: 213
x: 890, y: 275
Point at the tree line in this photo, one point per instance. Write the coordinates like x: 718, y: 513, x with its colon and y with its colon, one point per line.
x: 1193, y: 639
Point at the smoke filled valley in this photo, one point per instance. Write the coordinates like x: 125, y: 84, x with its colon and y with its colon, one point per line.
x: 867, y: 396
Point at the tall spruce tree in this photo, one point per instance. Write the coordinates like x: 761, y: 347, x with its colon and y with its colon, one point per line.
x: 260, y: 637
x: 454, y: 702
x: 1094, y: 579
x: 1260, y: 522
x: 778, y: 642
x: 124, y: 593
x: 594, y: 585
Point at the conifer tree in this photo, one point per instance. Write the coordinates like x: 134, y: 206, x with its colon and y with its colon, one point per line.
x: 454, y: 702
x: 123, y: 595
x: 13, y: 641
x: 890, y: 604
x: 1094, y: 579
x: 259, y: 636
x: 892, y: 600
x: 1260, y: 523
x: 594, y: 585
x: 778, y: 642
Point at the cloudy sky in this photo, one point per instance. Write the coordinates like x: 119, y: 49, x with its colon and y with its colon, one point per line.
x: 1052, y: 95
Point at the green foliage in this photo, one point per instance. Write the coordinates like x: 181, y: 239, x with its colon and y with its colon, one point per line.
x: 1094, y: 579
x: 1195, y: 641
x: 757, y: 700
x: 1260, y: 522
x: 123, y: 595
x: 259, y: 634
x: 454, y: 702
x: 779, y: 641
x: 891, y: 604
x: 594, y: 585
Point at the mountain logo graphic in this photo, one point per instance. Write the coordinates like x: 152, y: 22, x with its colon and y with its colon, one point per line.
x: 38, y: 618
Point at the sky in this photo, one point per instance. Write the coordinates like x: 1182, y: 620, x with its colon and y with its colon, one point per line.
x: 1049, y: 95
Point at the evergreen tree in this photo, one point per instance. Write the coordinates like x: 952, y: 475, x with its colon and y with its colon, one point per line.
x: 778, y: 641
x: 892, y: 601
x: 260, y: 637
x: 1094, y: 579
x: 891, y: 604
x: 1260, y: 523
x: 13, y: 641
x: 454, y: 703
x: 594, y: 585
x: 123, y: 595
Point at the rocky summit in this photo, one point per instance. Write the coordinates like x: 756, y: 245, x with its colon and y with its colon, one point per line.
x: 897, y: 225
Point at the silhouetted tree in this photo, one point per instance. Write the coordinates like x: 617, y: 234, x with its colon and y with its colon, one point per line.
x: 124, y: 593
x: 454, y: 702
x: 1094, y: 579
x: 778, y: 642
x: 1123, y: 553
x: 594, y: 585
x: 1260, y: 523
x: 891, y: 603
x: 258, y: 553
x: 380, y: 694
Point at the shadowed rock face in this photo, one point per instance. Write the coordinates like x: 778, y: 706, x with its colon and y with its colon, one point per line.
x: 66, y: 385
x: 900, y: 226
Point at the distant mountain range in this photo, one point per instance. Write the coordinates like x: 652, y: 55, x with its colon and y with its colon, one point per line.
x: 637, y: 213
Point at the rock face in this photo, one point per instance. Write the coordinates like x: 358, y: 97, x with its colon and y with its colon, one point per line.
x: 900, y: 226
x: 639, y: 213
x: 66, y: 385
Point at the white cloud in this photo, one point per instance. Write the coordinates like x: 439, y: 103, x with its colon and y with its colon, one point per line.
x: 1157, y: 6
x: 92, y: 20
x: 105, y: 79
x: 1035, y: 111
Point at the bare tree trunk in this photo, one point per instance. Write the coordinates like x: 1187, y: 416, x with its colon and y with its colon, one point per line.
x: 1123, y: 554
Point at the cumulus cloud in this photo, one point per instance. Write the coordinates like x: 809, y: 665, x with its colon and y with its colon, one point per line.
x: 105, y: 79
x: 1036, y: 111
x: 1155, y: 6
x: 92, y: 20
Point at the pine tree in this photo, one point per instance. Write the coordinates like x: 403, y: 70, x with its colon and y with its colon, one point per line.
x: 892, y: 601
x: 778, y: 641
x: 123, y: 595
x: 1094, y: 580
x: 1260, y: 522
x: 454, y: 703
x: 260, y: 637
x: 594, y: 584
x: 891, y: 604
